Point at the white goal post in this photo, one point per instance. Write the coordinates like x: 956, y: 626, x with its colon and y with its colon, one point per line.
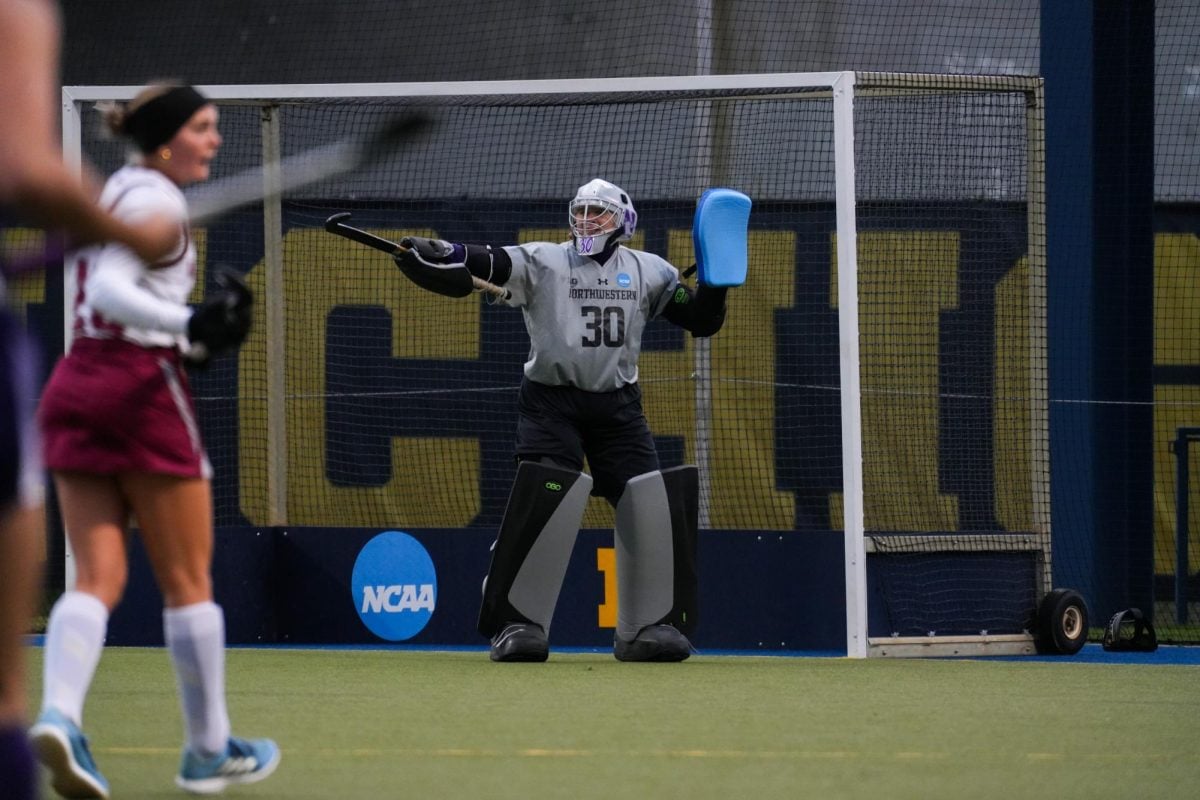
x: 936, y: 276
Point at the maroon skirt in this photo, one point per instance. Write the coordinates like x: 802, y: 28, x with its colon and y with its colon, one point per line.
x: 113, y: 406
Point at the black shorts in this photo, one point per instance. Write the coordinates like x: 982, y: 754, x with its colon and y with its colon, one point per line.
x: 568, y: 424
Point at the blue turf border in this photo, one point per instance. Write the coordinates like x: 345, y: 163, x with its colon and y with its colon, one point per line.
x: 1166, y: 655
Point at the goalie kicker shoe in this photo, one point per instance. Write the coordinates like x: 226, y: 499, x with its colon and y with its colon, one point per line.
x: 244, y: 761
x: 654, y: 643
x: 63, y: 748
x: 520, y: 641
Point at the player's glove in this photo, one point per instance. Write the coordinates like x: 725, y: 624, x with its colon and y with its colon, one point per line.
x: 222, y: 321
x: 436, y: 265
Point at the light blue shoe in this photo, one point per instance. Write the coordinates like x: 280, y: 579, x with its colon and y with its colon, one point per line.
x: 63, y: 748
x: 244, y: 761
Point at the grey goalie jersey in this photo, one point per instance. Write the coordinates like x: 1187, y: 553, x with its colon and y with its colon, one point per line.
x: 585, y: 320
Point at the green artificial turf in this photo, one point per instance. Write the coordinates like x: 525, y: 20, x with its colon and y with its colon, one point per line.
x: 420, y: 724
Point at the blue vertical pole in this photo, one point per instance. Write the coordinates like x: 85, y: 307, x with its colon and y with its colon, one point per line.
x: 1067, y: 61
x: 1098, y: 64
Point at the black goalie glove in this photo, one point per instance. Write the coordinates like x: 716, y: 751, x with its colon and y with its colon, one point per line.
x: 222, y: 321
x: 436, y: 265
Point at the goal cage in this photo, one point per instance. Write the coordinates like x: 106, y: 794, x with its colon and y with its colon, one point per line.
x: 882, y: 374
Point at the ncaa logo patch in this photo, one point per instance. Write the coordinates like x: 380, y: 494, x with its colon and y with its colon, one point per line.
x: 394, y: 586
x: 623, y: 280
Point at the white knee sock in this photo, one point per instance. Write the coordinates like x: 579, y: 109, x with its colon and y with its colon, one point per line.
x: 195, y: 635
x: 74, y: 640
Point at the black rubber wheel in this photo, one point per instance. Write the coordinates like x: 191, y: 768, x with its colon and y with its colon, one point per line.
x: 1062, y: 623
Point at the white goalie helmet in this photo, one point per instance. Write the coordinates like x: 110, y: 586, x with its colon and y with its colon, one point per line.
x: 600, y: 214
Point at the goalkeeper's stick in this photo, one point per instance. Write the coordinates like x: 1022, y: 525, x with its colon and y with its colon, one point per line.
x: 221, y: 196
x: 337, y: 225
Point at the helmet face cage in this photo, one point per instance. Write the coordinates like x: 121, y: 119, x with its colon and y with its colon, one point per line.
x: 594, y: 217
x: 600, y: 214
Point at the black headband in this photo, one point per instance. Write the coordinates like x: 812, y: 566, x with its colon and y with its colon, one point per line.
x: 156, y: 121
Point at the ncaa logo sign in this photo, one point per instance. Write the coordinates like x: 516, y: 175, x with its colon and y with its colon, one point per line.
x: 394, y: 586
x: 623, y: 280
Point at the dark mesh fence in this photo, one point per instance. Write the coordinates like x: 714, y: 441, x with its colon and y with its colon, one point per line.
x: 503, y: 171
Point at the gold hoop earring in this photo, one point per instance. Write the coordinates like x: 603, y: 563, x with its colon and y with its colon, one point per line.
x: 165, y: 154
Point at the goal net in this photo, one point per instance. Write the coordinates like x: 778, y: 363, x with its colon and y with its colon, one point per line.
x: 881, y: 374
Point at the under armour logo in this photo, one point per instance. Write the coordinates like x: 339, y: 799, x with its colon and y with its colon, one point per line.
x: 603, y: 281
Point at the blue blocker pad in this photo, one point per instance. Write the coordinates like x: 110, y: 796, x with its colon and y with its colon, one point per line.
x: 719, y: 237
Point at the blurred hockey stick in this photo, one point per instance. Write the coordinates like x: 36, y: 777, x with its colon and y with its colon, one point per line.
x: 337, y: 225
x: 224, y: 195
x: 305, y: 169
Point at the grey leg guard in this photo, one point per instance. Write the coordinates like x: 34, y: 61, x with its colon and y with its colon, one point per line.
x: 533, y: 548
x: 656, y: 551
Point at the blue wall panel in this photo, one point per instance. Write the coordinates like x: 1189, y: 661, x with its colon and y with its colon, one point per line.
x: 767, y: 591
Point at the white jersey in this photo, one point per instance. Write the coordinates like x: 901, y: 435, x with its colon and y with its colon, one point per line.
x: 117, y: 295
x: 585, y: 320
